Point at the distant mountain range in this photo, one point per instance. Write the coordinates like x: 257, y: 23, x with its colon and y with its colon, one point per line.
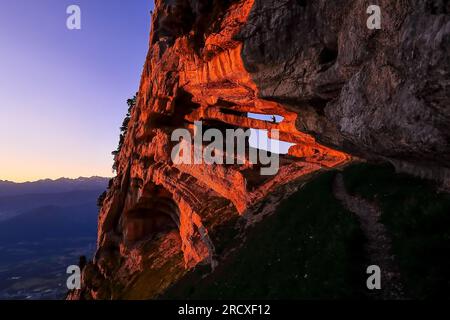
x: 44, y: 227
x: 17, y: 198
x: 8, y: 188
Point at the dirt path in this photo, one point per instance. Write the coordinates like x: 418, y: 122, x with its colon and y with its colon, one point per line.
x: 378, y: 247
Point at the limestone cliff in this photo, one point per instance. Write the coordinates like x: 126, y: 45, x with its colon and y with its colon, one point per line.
x: 341, y: 89
x: 374, y: 93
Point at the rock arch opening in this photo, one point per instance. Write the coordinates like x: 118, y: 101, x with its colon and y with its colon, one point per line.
x: 154, y: 215
x: 259, y: 139
x: 273, y: 118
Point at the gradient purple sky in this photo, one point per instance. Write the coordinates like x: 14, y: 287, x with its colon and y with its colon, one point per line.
x: 63, y: 92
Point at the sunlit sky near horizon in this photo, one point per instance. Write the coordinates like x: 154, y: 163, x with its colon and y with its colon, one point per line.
x: 63, y: 92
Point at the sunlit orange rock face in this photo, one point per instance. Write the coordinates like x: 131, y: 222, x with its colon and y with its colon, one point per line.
x: 162, y: 218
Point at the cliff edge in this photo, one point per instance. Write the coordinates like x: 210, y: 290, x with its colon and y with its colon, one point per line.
x: 343, y: 92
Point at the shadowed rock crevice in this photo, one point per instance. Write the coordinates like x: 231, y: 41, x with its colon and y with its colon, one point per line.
x: 151, y: 217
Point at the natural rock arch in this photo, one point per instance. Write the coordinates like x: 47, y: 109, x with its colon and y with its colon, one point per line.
x: 155, y: 214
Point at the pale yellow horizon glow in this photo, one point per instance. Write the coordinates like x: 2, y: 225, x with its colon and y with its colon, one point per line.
x: 38, y: 163
x: 38, y: 178
x: 20, y: 175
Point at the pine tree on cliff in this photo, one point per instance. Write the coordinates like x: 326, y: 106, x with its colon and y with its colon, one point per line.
x: 124, y: 129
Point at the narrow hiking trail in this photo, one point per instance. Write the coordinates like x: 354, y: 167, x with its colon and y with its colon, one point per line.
x: 378, y: 246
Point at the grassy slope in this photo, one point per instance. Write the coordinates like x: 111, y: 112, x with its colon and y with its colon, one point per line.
x: 418, y: 219
x: 311, y: 248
